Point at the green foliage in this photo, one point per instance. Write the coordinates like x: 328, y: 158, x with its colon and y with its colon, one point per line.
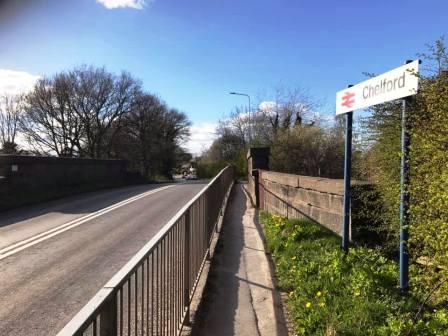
x: 333, y: 294
x: 209, y: 170
x: 383, y: 127
x: 429, y: 183
x: 224, y: 151
x: 428, y: 123
x: 366, y: 215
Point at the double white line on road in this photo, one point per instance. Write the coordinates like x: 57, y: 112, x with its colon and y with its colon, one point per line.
x: 21, y: 245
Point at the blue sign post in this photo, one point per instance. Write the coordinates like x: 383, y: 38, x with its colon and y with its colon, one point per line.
x: 347, y: 177
x: 404, y: 196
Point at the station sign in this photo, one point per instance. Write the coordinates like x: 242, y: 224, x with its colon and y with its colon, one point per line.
x: 397, y: 83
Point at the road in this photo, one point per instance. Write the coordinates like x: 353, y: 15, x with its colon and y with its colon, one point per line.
x: 54, y: 257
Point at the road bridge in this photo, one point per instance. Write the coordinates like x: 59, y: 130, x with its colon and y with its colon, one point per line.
x: 56, y: 256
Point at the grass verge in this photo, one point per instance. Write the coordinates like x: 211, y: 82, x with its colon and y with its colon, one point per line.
x: 330, y: 293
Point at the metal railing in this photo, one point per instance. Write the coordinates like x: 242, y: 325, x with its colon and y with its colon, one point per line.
x: 151, y: 294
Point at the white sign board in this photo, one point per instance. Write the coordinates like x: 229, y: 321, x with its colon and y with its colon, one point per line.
x: 398, y: 83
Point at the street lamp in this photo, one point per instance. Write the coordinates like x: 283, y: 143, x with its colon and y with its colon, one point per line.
x: 248, y: 97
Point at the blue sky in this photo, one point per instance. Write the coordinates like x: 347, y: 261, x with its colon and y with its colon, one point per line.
x: 192, y: 53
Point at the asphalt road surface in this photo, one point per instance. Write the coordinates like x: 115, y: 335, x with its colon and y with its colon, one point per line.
x: 54, y: 257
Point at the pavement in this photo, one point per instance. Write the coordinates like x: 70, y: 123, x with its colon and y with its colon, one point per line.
x: 240, y: 297
x: 55, y: 256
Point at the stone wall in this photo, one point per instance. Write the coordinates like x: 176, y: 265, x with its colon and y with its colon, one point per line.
x: 315, y: 198
x: 318, y: 199
x: 294, y: 196
x: 30, y: 179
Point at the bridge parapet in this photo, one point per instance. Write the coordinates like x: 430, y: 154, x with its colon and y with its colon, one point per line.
x: 296, y: 196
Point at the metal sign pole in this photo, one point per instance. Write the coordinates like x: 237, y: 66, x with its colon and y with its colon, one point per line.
x: 404, y: 199
x: 404, y: 196
x: 347, y: 175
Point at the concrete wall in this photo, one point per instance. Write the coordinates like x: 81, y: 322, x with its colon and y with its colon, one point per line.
x: 29, y: 179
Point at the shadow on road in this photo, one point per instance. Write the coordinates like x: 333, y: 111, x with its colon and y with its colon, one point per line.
x: 81, y: 203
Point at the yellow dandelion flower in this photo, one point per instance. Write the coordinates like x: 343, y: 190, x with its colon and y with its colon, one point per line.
x: 357, y: 293
x: 318, y: 294
x: 322, y: 304
x: 308, y: 305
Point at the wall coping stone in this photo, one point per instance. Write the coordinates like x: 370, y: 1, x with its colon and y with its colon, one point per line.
x: 321, y: 184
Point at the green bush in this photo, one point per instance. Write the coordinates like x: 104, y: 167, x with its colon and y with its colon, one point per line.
x: 428, y: 186
x: 209, y: 170
x: 210, y: 165
x: 429, y: 183
x: 330, y: 293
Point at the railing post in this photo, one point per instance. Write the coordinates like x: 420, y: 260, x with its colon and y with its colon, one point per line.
x: 108, y: 317
x: 404, y: 197
x: 187, y: 254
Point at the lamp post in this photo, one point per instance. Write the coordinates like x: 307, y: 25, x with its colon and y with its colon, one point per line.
x: 248, y: 97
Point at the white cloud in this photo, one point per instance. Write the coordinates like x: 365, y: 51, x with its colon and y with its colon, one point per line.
x: 15, y: 82
x: 323, y: 117
x: 201, y: 137
x: 267, y: 106
x: 112, y: 4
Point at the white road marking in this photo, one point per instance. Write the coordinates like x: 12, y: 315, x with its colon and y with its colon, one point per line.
x: 21, y: 245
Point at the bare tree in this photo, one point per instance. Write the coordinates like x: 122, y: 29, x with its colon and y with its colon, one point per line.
x: 175, y: 128
x: 144, y: 126
x: 150, y: 136
x: 49, y: 124
x: 290, y: 107
x: 89, y: 112
x: 78, y: 113
x: 11, y: 107
x: 100, y: 100
x: 236, y: 124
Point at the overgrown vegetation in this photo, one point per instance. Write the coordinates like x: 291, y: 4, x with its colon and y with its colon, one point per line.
x: 428, y: 113
x: 330, y: 293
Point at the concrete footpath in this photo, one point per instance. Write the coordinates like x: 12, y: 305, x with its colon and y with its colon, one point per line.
x: 240, y: 297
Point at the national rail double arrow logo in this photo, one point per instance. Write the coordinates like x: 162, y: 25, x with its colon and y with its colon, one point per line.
x: 348, y: 99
